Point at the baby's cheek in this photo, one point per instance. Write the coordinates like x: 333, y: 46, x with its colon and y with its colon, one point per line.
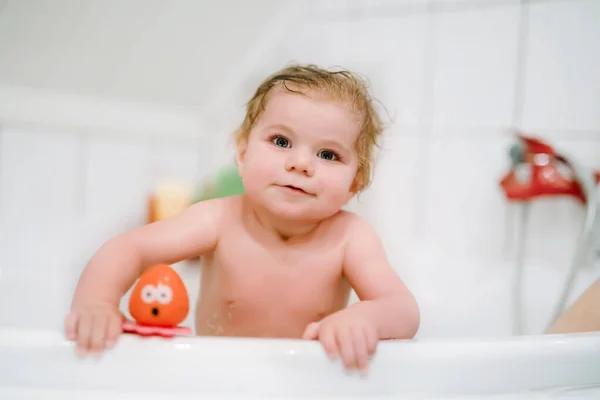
x: 336, y: 185
x: 266, y: 174
x: 259, y: 169
x: 266, y: 163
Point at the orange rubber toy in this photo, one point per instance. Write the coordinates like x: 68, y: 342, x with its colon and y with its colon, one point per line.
x: 158, y: 303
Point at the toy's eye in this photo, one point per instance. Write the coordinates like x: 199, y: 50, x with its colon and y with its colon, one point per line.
x: 164, y: 294
x: 149, y: 294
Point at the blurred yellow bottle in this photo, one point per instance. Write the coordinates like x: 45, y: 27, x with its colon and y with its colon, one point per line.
x: 168, y: 200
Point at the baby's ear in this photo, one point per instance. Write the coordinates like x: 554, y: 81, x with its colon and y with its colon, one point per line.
x: 241, y: 146
x: 351, y: 193
x: 356, y: 187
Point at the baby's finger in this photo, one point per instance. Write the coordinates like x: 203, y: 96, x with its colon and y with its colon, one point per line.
x: 360, y: 349
x: 372, y: 339
x: 344, y: 340
x: 71, y: 326
x: 113, y: 331
x: 98, y: 334
x: 311, y: 332
x: 84, y: 333
x: 328, y: 340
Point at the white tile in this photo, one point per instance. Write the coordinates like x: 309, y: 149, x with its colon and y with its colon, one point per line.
x: 390, y: 53
x: 118, y: 181
x: 177, y: 161
x: 329, y: 5
x: 35, y: 274
x: 474, y: 70
x: 36, y: 249
x: 391, y: 201
x: 462, y: 298
x: 460, y: 259
x: 465, y: 209
x: 38, y: 176
x: 35, y: 303
x: 318, y: 42
x: 563, y: 59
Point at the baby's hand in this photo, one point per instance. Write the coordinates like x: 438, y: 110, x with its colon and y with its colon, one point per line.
x: 347, y: 333
x: 94, y: 327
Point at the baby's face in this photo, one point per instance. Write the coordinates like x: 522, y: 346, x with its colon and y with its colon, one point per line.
x: 299, y: 161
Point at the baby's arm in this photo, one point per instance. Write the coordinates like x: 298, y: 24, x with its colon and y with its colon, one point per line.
x: 384, y: 297
x: 95, y: 321
x: 387, y: 309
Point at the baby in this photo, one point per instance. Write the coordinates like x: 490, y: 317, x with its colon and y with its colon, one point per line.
x: 278, y: 261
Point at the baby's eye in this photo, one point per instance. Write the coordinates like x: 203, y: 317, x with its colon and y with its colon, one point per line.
x: 328, y: 155
x: 280, y: 141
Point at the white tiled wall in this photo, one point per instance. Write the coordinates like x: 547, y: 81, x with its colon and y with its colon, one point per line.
x: 62, y: 195
x: 453, y: 76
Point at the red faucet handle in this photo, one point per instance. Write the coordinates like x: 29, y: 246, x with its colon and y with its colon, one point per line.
x: 536, y: 146
x: 543, y: 177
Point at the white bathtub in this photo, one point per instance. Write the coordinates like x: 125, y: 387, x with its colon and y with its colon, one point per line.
x: 39, y: 364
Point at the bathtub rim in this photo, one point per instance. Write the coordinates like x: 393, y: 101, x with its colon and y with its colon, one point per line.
x: 436, y: 347
x: 300, y: 367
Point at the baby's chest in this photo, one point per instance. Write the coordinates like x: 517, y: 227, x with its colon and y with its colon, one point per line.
x: 254, y: 273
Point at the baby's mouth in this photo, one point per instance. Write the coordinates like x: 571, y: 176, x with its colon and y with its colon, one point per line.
x: 296, y: 189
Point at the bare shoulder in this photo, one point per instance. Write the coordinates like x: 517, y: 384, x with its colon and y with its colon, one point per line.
x: 213, y: 214
x: 213, y: 208
x: 355, y: 227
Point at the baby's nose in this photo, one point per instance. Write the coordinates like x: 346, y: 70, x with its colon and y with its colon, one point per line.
x: 300, y: 163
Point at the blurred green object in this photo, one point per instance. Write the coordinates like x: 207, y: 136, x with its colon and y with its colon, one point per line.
x: 227, y: 182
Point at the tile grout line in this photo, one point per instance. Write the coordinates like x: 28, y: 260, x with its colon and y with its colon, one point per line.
x: 510, y: 214
x: 95, y: 132
x: 1, y: 142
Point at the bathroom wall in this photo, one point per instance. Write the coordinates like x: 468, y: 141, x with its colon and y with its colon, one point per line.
x: 453, y: 76
x: 62, y: 194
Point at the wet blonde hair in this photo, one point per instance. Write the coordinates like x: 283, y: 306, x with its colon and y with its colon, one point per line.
x: 341, y: 85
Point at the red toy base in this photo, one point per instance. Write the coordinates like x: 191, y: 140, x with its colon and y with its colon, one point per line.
x: 147, y: 330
